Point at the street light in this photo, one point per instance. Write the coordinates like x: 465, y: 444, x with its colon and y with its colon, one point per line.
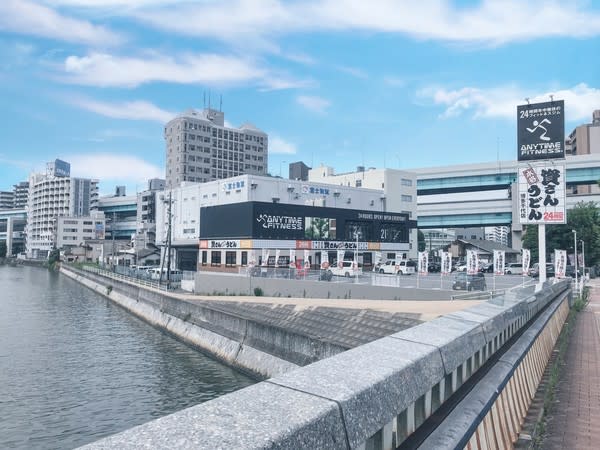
x: 576, y: 278
x: 582, y: 259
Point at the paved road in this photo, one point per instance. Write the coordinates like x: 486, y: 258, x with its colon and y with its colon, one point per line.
x: 575, y: 423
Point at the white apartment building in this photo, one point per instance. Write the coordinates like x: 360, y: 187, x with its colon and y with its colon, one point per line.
x: 200, y: 148
x: 399, y: 189
x: 52, y: 195
x: 497, y: 234
x: 75, y: 231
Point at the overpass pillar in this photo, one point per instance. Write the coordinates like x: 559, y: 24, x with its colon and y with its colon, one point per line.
x: 516, y: 229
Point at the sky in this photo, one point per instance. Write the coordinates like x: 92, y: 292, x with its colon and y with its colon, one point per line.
x: 344, y: 83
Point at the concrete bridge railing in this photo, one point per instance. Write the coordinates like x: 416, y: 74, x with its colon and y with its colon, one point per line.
x: 377, y: 395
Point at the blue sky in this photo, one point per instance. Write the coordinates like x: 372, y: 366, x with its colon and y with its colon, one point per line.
x: 344, y: 83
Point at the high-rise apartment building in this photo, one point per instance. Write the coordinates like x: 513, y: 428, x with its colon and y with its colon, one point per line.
x: 21, y: 191
x: 52, y: 195
x: 201, y: 148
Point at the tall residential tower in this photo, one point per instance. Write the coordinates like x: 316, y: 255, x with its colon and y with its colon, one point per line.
x: 201, y: 148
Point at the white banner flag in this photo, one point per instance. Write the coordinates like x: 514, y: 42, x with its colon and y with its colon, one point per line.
x: 560, y: 263
x: 252, y: 258
x: 423, y: 263
x: 306, y: 260
x: 499, y: 260
x: 293, y: 257
x: 526, y: 260
x: 340, y: 258
x: 265, y: 257
x: 472, y: 262
x: 324, y: 260
x: 277, y: 253
x: 446, y: 263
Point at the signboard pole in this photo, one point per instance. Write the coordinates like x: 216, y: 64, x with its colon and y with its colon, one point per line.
x: 542, y: 254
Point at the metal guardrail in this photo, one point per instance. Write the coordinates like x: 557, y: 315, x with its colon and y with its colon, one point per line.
x: 130, y: 279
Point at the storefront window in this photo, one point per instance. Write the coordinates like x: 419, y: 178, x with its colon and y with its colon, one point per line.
x: 204, y: 257
x: 215, y: 258
x: 244, y: 258
x: 229, y: 259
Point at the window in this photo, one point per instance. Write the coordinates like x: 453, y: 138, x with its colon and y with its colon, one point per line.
x: 244, y: 258
x: 204, y: 252
x: 229, y: 259
x: 406, y: 198
x: 406, y: 182
x: 215, y: 258
x: 358, y: 183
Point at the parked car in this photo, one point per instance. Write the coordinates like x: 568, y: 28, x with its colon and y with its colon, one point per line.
x: 486, y: 267
x: 398, y: 267
x: 346, y: 269
x: 514, y: 269
x: 434, y: 267
x: 534, y: 272
x: 465, y: 282
x: 570, y: 271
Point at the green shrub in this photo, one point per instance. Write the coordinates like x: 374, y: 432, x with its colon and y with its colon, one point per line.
x: 258, y: 292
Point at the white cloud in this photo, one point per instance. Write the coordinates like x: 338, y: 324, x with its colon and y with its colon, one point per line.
x: 580, y: 100
x: 101, y: 69
x: 355, y: 72
x: 491, y: 21
x: 112, y: 166
x: 313, y: 103
x: 134, y: 110
x: 25, y: 17
x: 279, y: 146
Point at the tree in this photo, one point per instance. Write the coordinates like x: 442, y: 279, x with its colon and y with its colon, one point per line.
x: 583, y: 218
x: 3, y: 249
x: 421, y: 241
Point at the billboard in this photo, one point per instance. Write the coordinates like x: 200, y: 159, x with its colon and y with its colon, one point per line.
x: 542, y: 195
x: 541, y: 130
x: 62, y: 168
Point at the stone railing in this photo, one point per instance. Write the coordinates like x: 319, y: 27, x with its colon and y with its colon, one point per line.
x: 371, y: 397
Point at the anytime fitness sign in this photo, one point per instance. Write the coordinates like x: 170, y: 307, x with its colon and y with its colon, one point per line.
x: 541, y: 131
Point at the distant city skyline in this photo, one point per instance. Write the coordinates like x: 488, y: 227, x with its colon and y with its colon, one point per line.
x: 344, y: 84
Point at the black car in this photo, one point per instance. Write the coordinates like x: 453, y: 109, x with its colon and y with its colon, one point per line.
x: 469, y: 282
x: 433, y: 267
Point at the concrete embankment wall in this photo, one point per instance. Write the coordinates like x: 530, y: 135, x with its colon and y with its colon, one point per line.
x: 258, y: 349
x: 372, y: 396
x: 209, y: 283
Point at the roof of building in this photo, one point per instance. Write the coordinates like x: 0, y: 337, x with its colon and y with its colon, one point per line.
x: 488, y: 246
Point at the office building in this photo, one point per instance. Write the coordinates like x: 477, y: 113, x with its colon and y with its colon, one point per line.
x: 145, y: 234
x: 7, y: 199
x: 585, y: 140
x: 200, y: 148
x: 52, y: 195
x: 298, y: 171
x: 75, y: 231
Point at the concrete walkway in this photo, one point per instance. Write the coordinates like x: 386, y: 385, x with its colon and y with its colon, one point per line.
x: 575, y: 423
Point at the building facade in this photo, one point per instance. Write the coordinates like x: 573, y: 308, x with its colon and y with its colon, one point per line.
x: 298, y: 171
x: 585, y: 140
x: 76, y: 231
x: 52, y: 195
x: 230, y: 222
x: 21, y: 194
x: 200, y: 148
x: 7, y: 200
x: 398, y: 190
x: 145, y: 233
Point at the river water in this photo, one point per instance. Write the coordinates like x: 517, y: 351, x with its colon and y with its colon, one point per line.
x: 74, y: 367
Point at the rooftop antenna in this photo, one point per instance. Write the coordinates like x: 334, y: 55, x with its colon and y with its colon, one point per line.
x: 527, y: 100
x: 551, y: 97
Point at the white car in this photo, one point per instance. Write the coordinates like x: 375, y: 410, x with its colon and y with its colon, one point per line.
x: 345, y: 269
x: 398, y: 267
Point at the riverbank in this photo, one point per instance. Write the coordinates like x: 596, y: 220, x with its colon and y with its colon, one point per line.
x: 262, y: 339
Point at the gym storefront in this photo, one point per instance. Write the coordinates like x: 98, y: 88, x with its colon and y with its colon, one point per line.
x: 239, y: 234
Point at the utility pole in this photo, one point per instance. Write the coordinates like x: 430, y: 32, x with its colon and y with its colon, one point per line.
x: 168, y: 246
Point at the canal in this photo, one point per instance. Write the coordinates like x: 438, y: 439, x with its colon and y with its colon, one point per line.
x: 74, y: 367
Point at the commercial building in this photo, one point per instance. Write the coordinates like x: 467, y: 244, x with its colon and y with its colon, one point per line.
x: 12, y: 230
x: 398, y: 189
x: 200, y: 148
x: 145, y: 233
x: 585, y: 140
x: 52, y: 195
x: 233, y: 222
x: 298, y: 171
x: 76, y: 231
